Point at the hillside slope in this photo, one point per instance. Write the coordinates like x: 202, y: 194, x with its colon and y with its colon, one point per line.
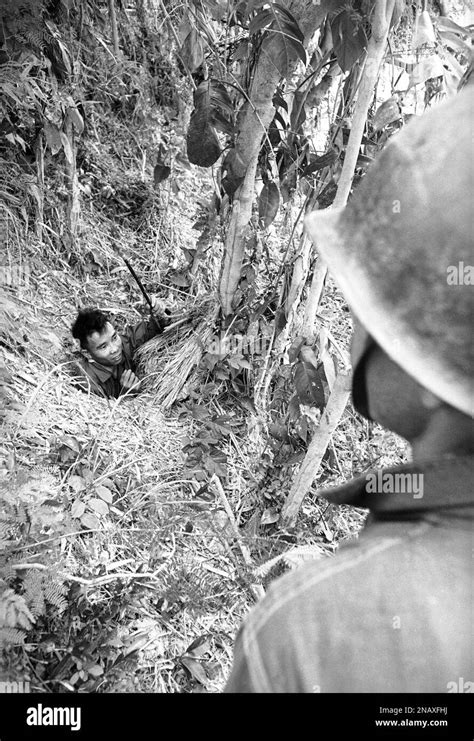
x: 123, y: 564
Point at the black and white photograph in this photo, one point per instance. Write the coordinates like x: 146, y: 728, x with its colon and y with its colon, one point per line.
x: 236, y: 361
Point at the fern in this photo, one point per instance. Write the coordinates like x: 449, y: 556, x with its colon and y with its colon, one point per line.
x: 7, y: 574
x: 54, y: 593
x: 36, y: 37
x: 34, y: 592
x: 11, y: 637
x: 39, y: 588
x: 14, y: 612
x: 30, y: 499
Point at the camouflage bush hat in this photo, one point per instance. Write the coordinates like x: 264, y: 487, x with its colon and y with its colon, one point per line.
x: 401, y: 250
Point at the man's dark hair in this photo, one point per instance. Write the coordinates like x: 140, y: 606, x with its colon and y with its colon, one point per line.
x: 87, y: 322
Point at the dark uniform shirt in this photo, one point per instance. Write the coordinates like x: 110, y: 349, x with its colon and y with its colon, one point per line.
x: 105, y: 379
x: 390, y: 612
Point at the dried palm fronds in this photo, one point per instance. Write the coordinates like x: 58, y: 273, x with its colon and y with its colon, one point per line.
x: 166, y: 362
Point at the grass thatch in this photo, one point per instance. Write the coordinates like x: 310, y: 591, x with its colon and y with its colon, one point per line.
x: 167, y: 361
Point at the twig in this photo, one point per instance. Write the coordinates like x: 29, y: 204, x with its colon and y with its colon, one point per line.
x: 92, y: 582
x: 314, y: 455
x: 256, y: 589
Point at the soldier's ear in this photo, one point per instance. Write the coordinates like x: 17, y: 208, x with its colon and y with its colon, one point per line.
x: 85, y: 351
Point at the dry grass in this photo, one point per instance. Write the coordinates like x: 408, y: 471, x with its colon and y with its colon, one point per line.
x: 156, y: 537
x: 167, y: 361
x: 158, y: 585
x: 164, y: 553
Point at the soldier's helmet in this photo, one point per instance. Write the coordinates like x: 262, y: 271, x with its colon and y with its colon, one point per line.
x: 401, y: 250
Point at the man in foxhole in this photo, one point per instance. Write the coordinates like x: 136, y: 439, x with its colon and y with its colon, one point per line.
x: 392, y: 610
x: 106, y: 364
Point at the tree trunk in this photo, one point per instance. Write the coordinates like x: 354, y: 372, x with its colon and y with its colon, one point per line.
x: 341, y: 390
x: 74, y: 205
x: 375, y: 52
x: 113, y: 24
x: 255, y: 121
x: 310, y: 466
x: 317, y: 284
x: 235, y: 238
x: 40, y: 178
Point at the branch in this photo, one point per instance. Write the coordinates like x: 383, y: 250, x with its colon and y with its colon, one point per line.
x: 113, y: 23
x: 375, y: 53
x: 256, y: 589
x: 312, y: 461
x: 92, y: 582
x: 341, y: 391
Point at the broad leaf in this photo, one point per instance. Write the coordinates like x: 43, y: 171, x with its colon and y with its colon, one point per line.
x: 317, y: 163
x: 269, y: 516
x: 203, y: 146
x: 387, y: 113
x: 104, y: 493
x: 424, y: 31
x: 234, y: 168
x: 76, y: 119
x: 349, y: 40
x: 76, y: 483
x: 425, y: 69
x: 220, y: 98
x: 99, y: 506
x: 298, y: 112
x: 160, y: 173
x: 67, y: 147
x: 284, y: 42
x: 195, y: 669
x: 90, y: 521
x: 78, y: 508
x: 199, y: 646
x: 221, y: 123
x: 283, y: 51
x: 446, y: 24
x: 454, y: 42
x: 327, y: 359
x: 53, y: 136
x: 261, y: 20
x: 192, y: 51
x: 268, y: 203
x: 308, y: 384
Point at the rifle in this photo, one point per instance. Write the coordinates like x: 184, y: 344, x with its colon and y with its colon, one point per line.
x: 156, y: 321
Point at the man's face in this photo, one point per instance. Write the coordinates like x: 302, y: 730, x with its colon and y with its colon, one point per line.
x: 392, y: 397
x: 105, y: 347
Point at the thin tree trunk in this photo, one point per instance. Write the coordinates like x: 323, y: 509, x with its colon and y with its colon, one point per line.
x: 341, y: 390
x: 113, y: 23
x: 255, y: 121
x: 74, y: 205
x: 312, y: 303
x: 235, y: 238
x: 375, y: 52
x: 312, y: 461
x: 40, y: 178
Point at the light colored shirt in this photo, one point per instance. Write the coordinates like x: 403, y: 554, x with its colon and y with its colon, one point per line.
x: 390, y: 612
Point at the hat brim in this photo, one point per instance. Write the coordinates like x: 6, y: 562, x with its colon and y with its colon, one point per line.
x: 384, y: 320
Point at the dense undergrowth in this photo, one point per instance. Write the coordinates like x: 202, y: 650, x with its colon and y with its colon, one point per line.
x: 120, y: 566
